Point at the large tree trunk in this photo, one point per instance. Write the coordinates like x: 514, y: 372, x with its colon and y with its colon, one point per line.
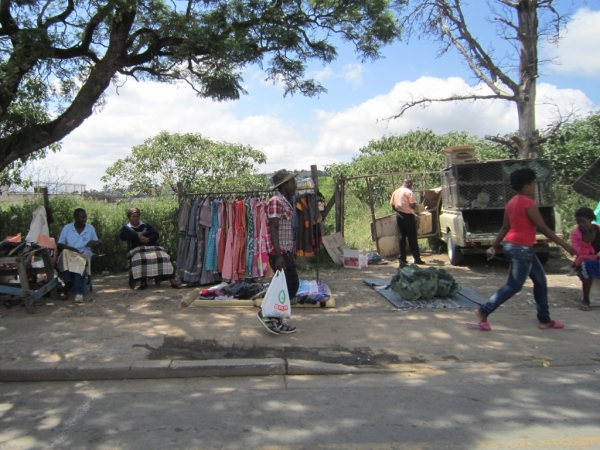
x: 528, y: 33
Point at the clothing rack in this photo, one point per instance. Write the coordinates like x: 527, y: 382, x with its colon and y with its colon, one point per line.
x: 225, y: 193
x: 257, y: 193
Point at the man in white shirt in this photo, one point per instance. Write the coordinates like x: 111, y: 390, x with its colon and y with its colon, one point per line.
x: 404, y: 203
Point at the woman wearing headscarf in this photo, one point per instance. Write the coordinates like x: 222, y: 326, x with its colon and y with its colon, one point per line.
x: 147, y: 259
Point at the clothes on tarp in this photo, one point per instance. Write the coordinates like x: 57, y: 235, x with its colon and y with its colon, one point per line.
x: 414, y: 283
x: 240, y: 290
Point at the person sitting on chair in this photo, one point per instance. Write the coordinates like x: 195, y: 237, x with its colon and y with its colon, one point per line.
x: 586, y: 240
x: 147, y: 259
x: 75, y: 243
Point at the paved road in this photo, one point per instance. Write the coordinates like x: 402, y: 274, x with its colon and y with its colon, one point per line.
x: 473, y: 407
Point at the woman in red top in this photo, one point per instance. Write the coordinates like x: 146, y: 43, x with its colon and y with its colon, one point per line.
x: 521, y: 219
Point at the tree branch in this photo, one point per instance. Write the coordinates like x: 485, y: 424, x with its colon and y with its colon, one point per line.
x: 425, y: 101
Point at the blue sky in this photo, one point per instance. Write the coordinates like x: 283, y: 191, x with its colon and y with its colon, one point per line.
x: 296, y: 131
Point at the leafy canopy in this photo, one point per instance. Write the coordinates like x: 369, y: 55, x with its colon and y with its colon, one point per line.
x: 57, y: 58
x: 574, y: 148
x: 199, y: 164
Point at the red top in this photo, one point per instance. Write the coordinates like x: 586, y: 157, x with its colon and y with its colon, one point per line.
x: 522, y: 229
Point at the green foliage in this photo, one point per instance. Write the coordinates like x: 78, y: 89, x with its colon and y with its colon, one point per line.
x: 416, y: 152
x: 58, y: 58
x: 199, y: 164
x: 106, y: 218
x: 574, y: 148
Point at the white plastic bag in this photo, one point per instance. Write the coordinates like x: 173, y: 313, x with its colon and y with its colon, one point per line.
x: 277, y: 299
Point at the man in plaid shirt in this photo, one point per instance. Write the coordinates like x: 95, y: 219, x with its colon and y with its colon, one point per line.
x: 281, y: 243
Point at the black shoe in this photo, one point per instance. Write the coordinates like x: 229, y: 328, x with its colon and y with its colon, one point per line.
x: 420, y: 263
x: 270, y: 323
x: 403, y: 264
x: 285, y: 328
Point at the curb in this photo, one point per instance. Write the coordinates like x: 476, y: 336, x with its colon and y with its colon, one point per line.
x: 231, y: 368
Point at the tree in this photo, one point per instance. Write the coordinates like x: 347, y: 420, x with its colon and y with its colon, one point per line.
x: 574, y: 148
x: 518, y: 24
x: 197, y: 163
x: 53, y: 177
x: 57, y: 58
x: 414, y: 152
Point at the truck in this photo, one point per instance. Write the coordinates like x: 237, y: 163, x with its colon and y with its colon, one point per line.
x: 465, y: 214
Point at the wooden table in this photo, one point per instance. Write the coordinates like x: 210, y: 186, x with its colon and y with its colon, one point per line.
x: 29, y: 293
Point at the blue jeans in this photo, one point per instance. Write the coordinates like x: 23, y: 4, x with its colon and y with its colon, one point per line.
x: 77, y: 281
x: 523, y: 263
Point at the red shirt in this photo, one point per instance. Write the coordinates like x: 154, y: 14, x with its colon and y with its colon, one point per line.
x: 522, y: 229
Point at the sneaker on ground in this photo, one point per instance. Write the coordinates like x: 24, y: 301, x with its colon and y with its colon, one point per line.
x: 270, y: 323
x: 420, y: 263
x: 79, y: 298
x: 285, y: 327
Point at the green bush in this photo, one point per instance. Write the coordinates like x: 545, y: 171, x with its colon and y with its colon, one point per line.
x: 106, y: 218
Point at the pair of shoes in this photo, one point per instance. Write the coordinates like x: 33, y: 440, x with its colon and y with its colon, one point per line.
x: 79, y: 298
x: 585, y: 307
x: 420, y: 262
x: 285, y: 327
x: 553, y: 324
x: 270, y: 323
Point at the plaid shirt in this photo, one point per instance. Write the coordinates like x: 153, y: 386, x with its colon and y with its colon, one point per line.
x: 280, y: 207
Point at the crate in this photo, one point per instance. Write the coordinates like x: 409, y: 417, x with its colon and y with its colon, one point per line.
x: 588, y: 184
x: 459, y: 154
x: 486, y: 185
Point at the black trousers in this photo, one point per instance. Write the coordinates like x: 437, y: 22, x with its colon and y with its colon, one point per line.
x: 291, y: 274
x: 407, y: 229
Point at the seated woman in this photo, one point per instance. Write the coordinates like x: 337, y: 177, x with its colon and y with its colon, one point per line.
x: 75, y: 244
x: 147, y: 259
x: 586, y: 240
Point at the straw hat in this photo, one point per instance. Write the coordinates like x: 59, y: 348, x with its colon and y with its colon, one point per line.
x: 280, y: 177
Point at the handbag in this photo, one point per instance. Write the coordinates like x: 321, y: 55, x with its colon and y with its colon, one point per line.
x: 277, y: 299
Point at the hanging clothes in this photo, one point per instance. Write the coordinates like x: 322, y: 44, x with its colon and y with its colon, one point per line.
x: 309, y: 218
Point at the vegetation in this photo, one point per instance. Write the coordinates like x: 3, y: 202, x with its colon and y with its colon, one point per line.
x: 386, y: 155
x: 190, y: 160
x: 107, y: 219
x: 520, y: 24
x: 58, y: 58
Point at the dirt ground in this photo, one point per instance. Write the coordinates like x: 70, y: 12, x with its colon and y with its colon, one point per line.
x: 111, y: 295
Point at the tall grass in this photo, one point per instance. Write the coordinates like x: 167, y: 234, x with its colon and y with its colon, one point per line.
x: 106, y: 218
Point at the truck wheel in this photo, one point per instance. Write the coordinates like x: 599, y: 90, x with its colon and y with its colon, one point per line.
x: 454, y: 254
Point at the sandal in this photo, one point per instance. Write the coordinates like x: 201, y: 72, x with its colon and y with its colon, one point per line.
x: 553, y: 324
x: 585, y: 307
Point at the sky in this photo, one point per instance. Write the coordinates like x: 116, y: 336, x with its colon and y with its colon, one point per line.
x: 296, y: 132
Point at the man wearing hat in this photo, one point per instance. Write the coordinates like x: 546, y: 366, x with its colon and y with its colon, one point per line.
x: 281, y: 243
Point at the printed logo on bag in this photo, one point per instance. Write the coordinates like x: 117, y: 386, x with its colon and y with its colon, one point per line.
x: 282, y: 296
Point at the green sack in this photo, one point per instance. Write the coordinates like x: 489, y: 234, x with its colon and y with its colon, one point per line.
x: 414, y: 283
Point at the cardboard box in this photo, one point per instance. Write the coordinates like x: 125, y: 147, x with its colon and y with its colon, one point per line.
x: 425, y: 223
x: 335, y: 245
x: 355, y: 259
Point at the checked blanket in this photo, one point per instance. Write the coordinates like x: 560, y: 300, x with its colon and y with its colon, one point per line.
x: 150, y: 261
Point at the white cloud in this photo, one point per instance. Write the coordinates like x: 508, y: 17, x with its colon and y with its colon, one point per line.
x: 142, y: 110
x: 322, y: 75
x: 353, y: 73
x: 577, y: 52
x: 342, y: 133
x: 319, y: 137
